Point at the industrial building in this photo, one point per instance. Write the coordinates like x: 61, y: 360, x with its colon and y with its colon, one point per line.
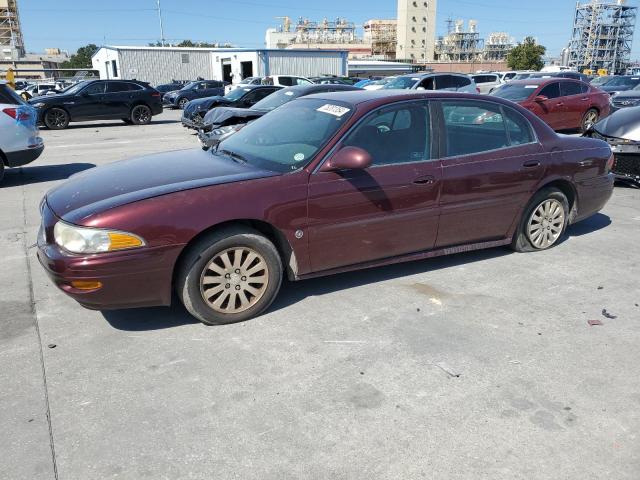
x: 382, y: 35
x: 323, y: 35
x: 11, y: 41
x: 416, y: 30
x: 460, y: 45
x: 497, y: 46
x: 602, y: 35
x: 158, y: 65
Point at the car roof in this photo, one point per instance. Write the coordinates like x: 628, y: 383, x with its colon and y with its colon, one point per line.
x: 542, y: 81
x: 320, y: 87
x: 360, y: 96
x: 430, y: 74
x: 256, y: 87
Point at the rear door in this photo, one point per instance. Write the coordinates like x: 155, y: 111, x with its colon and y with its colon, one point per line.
x: 389, y: 209
x: 117, y: 99
x: 490, y: 162
x: 214, y: 88
x: 574, y: 107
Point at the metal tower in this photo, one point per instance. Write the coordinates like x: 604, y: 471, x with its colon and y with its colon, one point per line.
x: 602, y: 35
x: 10, y: 31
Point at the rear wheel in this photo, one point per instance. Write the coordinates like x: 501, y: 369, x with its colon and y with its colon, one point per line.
x: 544, y: 221
x: 229, y: 276
x: 589, y: 119
x: 140, y: 115
x: 182, y: 103
x: 56, y: 119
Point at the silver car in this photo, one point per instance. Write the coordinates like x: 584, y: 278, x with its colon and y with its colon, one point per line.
x: 487, y: 82
x: 453, y: 82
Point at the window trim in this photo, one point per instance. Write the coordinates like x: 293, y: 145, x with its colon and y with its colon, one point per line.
x: 442, y: 127
x: 433, y: 147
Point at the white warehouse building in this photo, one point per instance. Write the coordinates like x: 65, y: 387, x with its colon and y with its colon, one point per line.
x: 157, y: 65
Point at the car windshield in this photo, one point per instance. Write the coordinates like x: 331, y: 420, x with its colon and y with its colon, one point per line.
x: 515, y: 93
x: 73, y: 89
x: 287, y: 138
x: 623, y: 81
x: 190, y: 86
x: 237, y: 94
x: 275, y: 100
x: 402, y: 82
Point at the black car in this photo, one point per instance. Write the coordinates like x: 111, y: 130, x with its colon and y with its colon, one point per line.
x: 198, y: 89
x: 169, y: 87
x: 620, y: 83
x: 243, y: 97
x: 564, y: 74
x: 132, y: 101
x: 621, y: 130
x: 223, y: 121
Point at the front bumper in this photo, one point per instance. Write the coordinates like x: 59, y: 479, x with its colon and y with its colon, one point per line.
x: 194, y: 122
x: 23, y: 157
x: 130, y: 278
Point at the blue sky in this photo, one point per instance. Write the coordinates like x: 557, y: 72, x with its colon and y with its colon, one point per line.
x: 68, y: 24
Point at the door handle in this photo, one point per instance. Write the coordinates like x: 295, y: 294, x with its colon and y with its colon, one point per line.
x: 560, y: 104
x: 531, y: 164
x: 586, y: 99
x: 426, y: 180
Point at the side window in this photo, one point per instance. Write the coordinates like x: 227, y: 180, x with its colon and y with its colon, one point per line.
x: 569, y: 88
x: 134, y: 86
x: 394, y: 135
x: 213, y: 85
x: 473, y: 127
x: 302, y: 81
x: 584, y: 88
x: 95, y: 88
x: 551, y: 91
x: 428, y: 83
x: 444, y: 82
x: 518, y: 127
x: 117, y: 87
x: 286, y: 81
x: 202, y: 86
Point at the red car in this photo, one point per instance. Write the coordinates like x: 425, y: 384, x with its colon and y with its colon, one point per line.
x: 563, y: 103
x: 324, y: 184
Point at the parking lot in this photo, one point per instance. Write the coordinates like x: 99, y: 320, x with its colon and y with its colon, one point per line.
x: 476, y: 365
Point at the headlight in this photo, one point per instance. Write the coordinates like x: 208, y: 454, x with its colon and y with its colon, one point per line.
x: 224, y: 130
x: 76, y: 239
x: 38, y: 105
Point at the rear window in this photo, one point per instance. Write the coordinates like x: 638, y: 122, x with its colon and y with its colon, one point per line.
x: 485, y: 78
x: 451, y: 81
x: 9, y: 97
x: 570, y: 88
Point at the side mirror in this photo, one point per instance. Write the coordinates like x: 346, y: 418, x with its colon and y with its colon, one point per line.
x: 540, y: 98
x: 420, y: 88
x: 348, y: 158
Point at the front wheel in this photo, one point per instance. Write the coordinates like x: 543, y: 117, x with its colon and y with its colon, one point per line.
x: 544, y: 221
x: 56, y: 119
x: 140, y: 115
x: 182, y: 103
x: 589, y: 119
x: 229, y: 276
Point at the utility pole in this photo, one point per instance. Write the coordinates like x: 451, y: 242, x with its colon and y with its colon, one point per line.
x: 161, y: 27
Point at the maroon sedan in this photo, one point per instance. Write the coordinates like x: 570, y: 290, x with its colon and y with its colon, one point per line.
x: 324, y: 184
x: 563, y: 103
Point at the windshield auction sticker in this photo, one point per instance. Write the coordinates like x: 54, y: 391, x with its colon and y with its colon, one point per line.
x: 335, y: 110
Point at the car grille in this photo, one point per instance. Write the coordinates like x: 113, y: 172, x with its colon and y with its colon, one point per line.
x: 628, y: 165
x: 625, y: 103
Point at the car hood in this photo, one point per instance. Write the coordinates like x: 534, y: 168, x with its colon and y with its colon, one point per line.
x: 207, y: 101
x: 51, y: 98
x: 624, y: 123
x: 628, y: 94
x: 145, y: 177
x: 615, y: 88
x: 230, y: 115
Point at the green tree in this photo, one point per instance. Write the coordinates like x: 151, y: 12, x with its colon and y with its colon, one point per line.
x: 526, y: 55
x: 82, y: 58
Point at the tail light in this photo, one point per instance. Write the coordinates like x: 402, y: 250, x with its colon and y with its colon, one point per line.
x: 610, y: 162
x: 20, y: 116
x: 156, y: 94
x: 478, y: 89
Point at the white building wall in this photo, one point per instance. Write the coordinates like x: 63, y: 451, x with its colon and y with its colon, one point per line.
x: 162, y: 66
x: 102, y: 61
x: 307, y: 64
x: 416, y: 30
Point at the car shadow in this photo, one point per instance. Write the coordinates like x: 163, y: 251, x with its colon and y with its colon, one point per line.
x: 589, y: 225
x: 41, y: 173
x: 158, y: 318
x: 115, y: 123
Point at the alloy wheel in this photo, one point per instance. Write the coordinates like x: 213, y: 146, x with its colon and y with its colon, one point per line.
x: 56, y: 118
x: 234, y: 280
x: 546, y: 223
x: 141, y: 114
x: 590, y: 119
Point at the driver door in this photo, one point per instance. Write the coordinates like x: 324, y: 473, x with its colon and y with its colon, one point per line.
x: 386, y: 210
x: 89, y: 103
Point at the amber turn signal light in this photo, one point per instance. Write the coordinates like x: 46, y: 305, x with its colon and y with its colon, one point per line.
x: 86, y: 284
x: 120, y: 241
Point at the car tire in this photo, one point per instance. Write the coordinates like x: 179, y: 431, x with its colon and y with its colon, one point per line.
x: 140, y: 115
x: 543, y: 223
x: 1, y: 168
x: 182, y: 103
x: 249, y: 256
x: 56, y: 119
x: 589, y: 119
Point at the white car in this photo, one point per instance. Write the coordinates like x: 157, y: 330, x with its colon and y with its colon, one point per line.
x: 20, y: 141
x: 378, y: 84
x: 486, y: 82
x: 286, y: 80
x: 243, y: 83
x: 37, y: 89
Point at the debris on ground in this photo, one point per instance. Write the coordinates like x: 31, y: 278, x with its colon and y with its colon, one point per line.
x: 600, y: 287
x: 447, y: 369
x: 595, y: 322
x: 52, y: 345
x: 608, y: 315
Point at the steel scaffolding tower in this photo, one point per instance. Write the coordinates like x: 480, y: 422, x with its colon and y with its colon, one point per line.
x: 602, y: 35
x: 10, y: 31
